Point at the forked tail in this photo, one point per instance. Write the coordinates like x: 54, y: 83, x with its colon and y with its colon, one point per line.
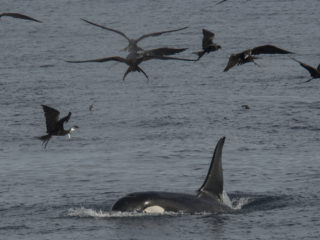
x: 45, y: 139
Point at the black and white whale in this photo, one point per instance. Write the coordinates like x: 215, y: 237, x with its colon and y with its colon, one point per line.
x: 209, y: 198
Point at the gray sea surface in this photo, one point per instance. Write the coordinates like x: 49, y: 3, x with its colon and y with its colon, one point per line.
x: 159, y: 135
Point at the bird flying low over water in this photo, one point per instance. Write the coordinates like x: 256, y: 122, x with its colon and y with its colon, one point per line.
x: 18, y: 15
x: 132, y: 46
x: 207, y: 43
x: 314, y: 72
x: 220, y: 2
x: 247, y: 55
x: 133, y: 60
x: 54, y: 125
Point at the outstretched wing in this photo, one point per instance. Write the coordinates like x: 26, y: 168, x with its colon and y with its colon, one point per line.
x: 207, y: 34
x: 164, y: 51
x: 220, y: 2
x: 268, y: 49
x: 313, y: 71
x: 52, y: 117
x: 118, y: 59
x: 158, y: 33
x: 18, y: 15
x: 106, y: 28
x: 65, y: 119
x: 233, y: 60
x: 149, y: 57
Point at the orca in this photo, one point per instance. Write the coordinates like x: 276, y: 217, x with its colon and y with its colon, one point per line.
x: 208, y: 199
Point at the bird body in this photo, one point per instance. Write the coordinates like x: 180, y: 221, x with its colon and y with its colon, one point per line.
x: 54, y: 125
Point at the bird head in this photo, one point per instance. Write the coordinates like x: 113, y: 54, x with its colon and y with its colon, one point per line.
x: 73, y: 128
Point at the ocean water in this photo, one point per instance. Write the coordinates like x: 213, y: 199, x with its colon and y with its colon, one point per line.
x: 159, y: 135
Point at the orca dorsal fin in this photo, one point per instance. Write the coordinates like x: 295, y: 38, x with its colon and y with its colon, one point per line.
x: 214, y: 180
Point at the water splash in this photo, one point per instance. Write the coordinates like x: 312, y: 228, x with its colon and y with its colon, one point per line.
x: 87, y: 212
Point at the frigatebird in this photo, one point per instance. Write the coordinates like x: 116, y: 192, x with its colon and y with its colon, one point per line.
x: 207, y: 43
x: 247, y: 55
x: 133, y: 60
x: 54, y: 125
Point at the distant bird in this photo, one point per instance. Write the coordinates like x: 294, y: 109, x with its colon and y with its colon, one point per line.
x: 90, y: 107
x: 132, y: 46
x: 54, y: 125
x: 247, y: 55
x: 18, y: 15
x: 207, y: 43
x: 220, y: 2
x: 245, y: 106
x: 314, y: 72
x: 133, y: 60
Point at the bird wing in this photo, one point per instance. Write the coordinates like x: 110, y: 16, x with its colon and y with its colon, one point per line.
x: 268, y: 49
x: 164, y: 51
x: 116, y: 58
x: 207, y: 34
x: 220, y: 2
x: 52, y: 117
x: 158, y: 33
x: 233, y: 60
x: 313, y: 71
x: 149, y: 57
x: 106, y: 28
x: 18, y: 15
x: 66, y: 118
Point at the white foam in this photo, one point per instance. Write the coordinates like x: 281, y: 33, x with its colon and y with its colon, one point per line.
x: 226, y: 200
x: 239, y: 203
x: 87, y: 212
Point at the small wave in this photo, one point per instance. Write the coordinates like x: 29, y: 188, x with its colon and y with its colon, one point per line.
x: 238, y: 204
x: 14, y: 227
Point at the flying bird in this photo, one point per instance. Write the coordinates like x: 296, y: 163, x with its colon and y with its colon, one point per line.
x: 314, y: 72
x: 54, y: 125
x: 18, y: 15
x: 132, y: 46
x: 247, y: 55
x: 207, y: 43
x: 220, y: 2
x: 133, y: 60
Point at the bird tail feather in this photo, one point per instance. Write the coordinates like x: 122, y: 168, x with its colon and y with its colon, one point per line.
x: 45, y: 139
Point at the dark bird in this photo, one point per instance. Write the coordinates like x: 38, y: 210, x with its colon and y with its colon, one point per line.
x: 54, y: 125
x: 18, y: 15
x: 314, y: 72
x: 220, y: 2
x: 132, y: 46
x: 247, y: 55
x: 91, y: 107
x: 133, y: 60
x: 207, y: 43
